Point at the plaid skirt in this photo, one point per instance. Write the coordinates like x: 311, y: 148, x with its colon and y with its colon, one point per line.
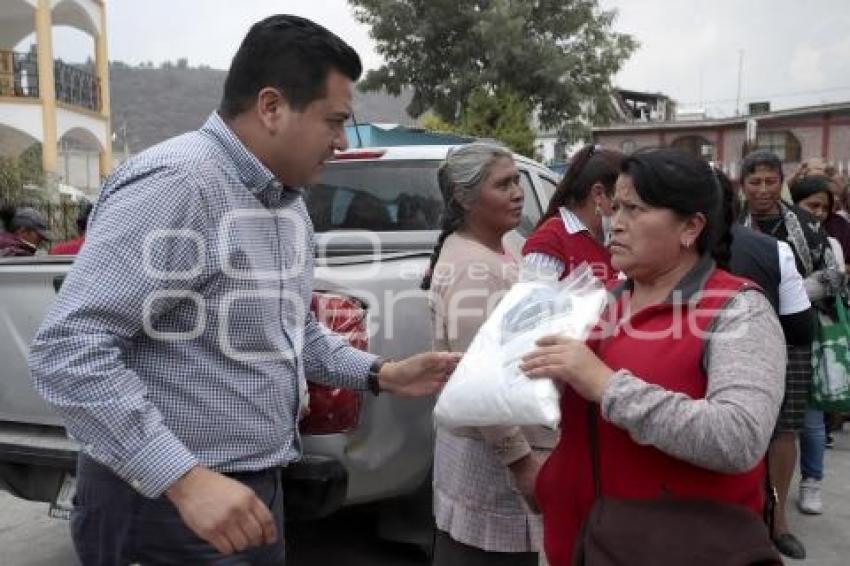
x: 798, y: 380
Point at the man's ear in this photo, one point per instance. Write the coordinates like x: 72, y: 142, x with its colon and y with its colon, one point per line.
x: 271, y: 108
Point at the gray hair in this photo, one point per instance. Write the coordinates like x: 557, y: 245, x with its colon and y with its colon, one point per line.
x: 460, y: 178
x: 465, y: 169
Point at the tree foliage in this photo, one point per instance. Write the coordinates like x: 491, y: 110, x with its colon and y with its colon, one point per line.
x: 501, y: 116
x: 15, y: 172
x: 559, y: 55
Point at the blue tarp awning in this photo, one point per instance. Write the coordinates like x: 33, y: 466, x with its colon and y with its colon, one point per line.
x: 383, y: 135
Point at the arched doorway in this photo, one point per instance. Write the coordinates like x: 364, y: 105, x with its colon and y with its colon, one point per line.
x: 783, y: 144
x: 79, y: 160
x: 695, y: 145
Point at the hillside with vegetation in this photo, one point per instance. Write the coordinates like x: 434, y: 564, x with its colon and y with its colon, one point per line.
x: 153, y: 103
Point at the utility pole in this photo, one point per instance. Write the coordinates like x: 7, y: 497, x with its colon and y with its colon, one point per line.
x: 738, y: 96
x: 702, y: 108
x: 124, y: 137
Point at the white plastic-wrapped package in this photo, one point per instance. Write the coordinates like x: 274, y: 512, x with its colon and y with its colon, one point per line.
x: 487, y: 388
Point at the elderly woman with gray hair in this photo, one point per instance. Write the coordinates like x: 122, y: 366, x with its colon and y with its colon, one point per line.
x: 481, y: 476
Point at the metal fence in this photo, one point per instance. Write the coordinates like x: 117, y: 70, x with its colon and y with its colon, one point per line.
x: 74, y: 85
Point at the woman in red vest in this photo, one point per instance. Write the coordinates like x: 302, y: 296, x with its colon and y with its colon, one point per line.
x: 687, y: 367
x: 574, y: 228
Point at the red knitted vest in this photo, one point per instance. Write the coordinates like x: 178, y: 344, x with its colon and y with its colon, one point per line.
x: 628, y: 470
x: 552, y: 239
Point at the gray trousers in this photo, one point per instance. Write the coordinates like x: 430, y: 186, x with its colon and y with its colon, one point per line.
x: 113, y: 525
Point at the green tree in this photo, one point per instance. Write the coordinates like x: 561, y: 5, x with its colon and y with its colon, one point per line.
x: 31, y: 166
x: 502, y: 116
x: 10, y: 180
x: 434, y: 123
x: 559, y: 55
x: 15, y: 172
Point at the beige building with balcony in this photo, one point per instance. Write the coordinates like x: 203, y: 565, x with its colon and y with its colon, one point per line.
x: 65, y: 107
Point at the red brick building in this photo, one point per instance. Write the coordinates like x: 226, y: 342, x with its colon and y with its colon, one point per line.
x: 794, y: 135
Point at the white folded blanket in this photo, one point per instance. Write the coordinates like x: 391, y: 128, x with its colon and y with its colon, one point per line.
x: 487, y: 388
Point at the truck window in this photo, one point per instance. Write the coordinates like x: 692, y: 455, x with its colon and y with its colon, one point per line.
x: 549, y: 187
x: 530, y: 207
x: 373, y: 195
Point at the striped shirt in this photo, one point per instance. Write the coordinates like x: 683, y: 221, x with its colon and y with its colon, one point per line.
x: 182, y: 335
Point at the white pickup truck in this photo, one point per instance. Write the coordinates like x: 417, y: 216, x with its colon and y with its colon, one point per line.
x: 376, y: 214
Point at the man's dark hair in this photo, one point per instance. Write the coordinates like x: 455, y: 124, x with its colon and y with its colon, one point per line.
x: 761, y: 157
x: 289, y: 53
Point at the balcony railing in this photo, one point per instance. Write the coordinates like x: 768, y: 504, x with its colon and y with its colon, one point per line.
x: 75, y: 86
x: 18, y: 74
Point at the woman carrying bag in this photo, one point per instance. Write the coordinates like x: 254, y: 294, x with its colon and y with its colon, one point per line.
x: 483, y: 475
x: 829, y: 367
x: 687, y: 372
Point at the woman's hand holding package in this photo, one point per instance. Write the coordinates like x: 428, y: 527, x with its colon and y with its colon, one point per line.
x: 525, y: 471
x: 569, y: 361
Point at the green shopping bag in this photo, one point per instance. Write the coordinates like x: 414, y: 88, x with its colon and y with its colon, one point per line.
x: 831, y: 363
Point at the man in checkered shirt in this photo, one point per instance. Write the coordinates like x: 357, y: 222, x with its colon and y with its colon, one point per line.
x: 178, y: 346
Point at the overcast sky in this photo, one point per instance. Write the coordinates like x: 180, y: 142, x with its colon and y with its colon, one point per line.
x: 794, y: 53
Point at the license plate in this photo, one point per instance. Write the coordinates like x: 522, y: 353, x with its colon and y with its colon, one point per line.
x: 63, y: 503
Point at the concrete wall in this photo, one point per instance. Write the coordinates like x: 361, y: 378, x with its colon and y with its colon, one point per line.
x: 615, y: 140
x: 80, y: 169
x: 839, y: 147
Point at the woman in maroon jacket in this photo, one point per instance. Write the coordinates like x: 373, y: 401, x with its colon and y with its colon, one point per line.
x: 687, y: 367
x: 25, y: 230
x: 573, y: 230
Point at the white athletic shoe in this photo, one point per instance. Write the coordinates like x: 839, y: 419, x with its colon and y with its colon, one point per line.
x: 810, y: 501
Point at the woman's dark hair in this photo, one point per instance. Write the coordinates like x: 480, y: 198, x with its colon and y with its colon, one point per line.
x: 289, y: 53
x: 731, y: 202
x: 809, y: 185
x: 588, y: 166
x: 460, y: 178
x: 676, y: 180
x: 83, y: 216
x: 731, y: 212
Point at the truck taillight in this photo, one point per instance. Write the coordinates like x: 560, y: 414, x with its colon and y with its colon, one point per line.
x: 334, y: 410
x: 355, y: 154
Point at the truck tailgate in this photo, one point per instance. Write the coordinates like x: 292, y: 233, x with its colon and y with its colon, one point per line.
x: 27, y: 291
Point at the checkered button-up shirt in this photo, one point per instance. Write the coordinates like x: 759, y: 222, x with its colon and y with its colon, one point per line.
x: 182, y: 334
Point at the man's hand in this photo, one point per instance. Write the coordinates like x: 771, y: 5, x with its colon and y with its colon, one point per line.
x: 222, y: 511
x: 419, y: 375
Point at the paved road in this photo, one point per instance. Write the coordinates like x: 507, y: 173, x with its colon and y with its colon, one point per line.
x: 28, y: 537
